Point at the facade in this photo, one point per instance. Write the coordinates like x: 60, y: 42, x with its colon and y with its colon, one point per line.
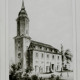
x: 28, y: 53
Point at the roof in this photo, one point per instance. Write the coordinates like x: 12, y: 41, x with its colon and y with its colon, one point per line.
x: 35, y: 43
x: 42, y: 44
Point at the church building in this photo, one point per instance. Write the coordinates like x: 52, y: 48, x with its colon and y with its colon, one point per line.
x: 39, y: 56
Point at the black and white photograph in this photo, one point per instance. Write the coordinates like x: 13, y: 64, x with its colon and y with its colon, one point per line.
x: 39, y: 40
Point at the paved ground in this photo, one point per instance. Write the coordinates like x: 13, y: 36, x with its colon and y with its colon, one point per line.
x: 65, y: 75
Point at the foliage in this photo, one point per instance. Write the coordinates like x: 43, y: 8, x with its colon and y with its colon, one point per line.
x: 12, y: 73
x: 68, y: 55
x: 29, y: 69
x: 52, y: 76
x: 34, y: 77
x: 57, y: 78
x: 15, y: 72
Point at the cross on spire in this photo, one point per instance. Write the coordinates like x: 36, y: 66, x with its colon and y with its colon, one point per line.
x: 23, y: 4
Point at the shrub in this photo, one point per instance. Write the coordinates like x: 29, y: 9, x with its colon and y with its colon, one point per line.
x: 34, y: 77
x: 57, y: 78
x: 52, y: 76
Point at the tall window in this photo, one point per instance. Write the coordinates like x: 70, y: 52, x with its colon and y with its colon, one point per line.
x: 19, y: 55
x: 57, y: 67
x: 58, y: 57
x: 36, y: 54
x: 53, y: 57
x: 42, y: 55
x: 52, y: 66
x: 47, y: 55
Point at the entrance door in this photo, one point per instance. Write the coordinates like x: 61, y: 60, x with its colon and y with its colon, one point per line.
x: 52, y: 66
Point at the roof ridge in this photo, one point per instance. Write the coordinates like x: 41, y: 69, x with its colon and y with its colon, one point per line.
x: 44, y: 44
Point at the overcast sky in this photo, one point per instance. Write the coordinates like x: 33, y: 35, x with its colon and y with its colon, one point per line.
x: 50, y: 22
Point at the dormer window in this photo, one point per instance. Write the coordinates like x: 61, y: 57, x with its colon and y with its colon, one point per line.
x: 50, y: 50
x: 40, y: 47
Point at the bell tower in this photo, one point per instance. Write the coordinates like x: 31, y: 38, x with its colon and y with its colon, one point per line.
x: 22, y: 40
x: 22, y: 22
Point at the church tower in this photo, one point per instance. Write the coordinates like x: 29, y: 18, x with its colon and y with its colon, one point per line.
x: 22, y: 40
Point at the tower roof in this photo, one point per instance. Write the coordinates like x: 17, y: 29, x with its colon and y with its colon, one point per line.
x: 22, y: 12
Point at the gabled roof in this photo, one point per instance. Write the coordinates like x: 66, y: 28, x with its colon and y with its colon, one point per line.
x: 40, y: 44
x: 36, y: 43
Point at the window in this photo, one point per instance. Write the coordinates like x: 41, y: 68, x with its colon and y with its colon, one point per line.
x: 47, y: 55
x: 58, y: 57
x: 40, y: 47
x: 50, y: 50
x: 36, y: 54
x: 57, y: 67
x: 19, y: 55
x: 19, y: 47
x: 53, y: 66
x: 42, y: 55
x: 53, y: 57
x: 18, y: 42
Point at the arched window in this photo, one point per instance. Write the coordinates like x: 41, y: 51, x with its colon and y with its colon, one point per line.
x: 19, y: 55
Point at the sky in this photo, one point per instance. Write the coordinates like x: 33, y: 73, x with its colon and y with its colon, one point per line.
x: 51, y: 22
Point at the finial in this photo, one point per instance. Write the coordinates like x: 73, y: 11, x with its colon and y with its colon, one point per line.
x: 23, y: 4
x: 61, y: 46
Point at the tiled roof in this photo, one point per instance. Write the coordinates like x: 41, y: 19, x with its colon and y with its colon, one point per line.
x: 42, y: 44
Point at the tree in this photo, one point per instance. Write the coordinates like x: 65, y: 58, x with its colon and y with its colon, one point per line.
x: 12, y: 72
x: 15, y: 72
x: 68, y: 55
x: 29, y: 69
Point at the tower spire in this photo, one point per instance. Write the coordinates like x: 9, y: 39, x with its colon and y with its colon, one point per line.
x: 23, y: 4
